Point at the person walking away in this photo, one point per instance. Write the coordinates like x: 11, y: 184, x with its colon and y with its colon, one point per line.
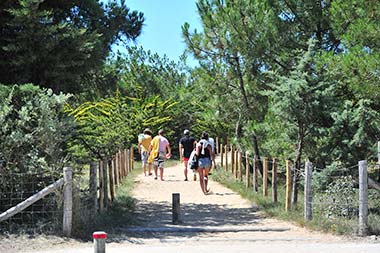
x: 159, y: 151
x: 144, y: 140
x: 205, y: 155
x: 186, y: 146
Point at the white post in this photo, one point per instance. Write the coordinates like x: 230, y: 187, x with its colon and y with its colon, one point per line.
x: 67, y: 201
x: 99, y: 241
x: 378, y: 152
x: 363, y: 198
x: 308, y: 212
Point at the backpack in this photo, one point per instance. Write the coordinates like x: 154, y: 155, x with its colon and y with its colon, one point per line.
x: 193, y: 161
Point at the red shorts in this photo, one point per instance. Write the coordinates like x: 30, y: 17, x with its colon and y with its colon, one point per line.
x: 186, y: 159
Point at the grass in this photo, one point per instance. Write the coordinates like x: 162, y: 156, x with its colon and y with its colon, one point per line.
x: 120, y: 213
x: 338, y: 225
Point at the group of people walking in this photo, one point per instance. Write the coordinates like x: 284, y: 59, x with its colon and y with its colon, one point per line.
x: 154, y: 151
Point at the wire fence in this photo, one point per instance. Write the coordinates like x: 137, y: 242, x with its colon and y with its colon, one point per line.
x: 41, y: 217
x: 334, y: 189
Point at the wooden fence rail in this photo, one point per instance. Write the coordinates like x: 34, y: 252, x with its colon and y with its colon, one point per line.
x: 102, y: 188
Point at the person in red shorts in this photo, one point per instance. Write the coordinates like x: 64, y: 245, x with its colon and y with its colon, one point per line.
x: 186, y: 146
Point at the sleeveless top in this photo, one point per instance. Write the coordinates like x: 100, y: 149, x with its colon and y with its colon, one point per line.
x: 205, y: 153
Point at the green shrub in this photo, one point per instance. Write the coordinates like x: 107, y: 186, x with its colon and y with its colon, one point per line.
x: 33, y: 133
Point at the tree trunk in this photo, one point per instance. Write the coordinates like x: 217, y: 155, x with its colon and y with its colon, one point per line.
x: 257, y: 154
x: 297, y: 167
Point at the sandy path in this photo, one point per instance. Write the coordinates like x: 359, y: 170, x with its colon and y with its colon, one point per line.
x: 222, y: 209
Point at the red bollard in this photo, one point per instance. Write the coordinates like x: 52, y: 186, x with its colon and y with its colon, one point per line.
x: 99, y: 241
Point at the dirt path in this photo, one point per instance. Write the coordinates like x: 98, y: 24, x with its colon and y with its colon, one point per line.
x: 221, y: 214
x: 221, y: 218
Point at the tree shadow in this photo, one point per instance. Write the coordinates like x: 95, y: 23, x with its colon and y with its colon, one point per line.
x: 158, y: 215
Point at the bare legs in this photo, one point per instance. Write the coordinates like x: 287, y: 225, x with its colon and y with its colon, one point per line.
x: 155, y: 171
x: 203, y: 178
x: 185, y: 170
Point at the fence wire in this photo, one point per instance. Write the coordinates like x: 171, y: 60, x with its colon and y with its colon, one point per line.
x: 41, y: 217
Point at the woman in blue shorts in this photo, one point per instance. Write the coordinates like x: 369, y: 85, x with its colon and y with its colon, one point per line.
x: 205, y: 155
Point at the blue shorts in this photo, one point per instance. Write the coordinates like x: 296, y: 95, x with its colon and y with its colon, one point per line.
x: 204, y: 163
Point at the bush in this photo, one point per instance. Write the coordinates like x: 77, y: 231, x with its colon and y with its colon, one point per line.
x: 33, y: 133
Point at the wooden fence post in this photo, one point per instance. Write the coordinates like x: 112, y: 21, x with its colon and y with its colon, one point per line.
x: 288, y: 186
x: 239, y: 166
x: 132, y: 159
x: 254, y: 175
x: 125, y: 162
x: 67, y: 201
x: 217, y: 146
x: 363, y: 198
x: 226, y: 148
x: 120, y: 166
x: 308, y: 213
x: 232, y: 159
x: 221, y: 155
x: 115, y: 169
x: 236, y: 171
x: 101, y: 186
x: 105, y: 184
x: 247, y: 174
x: 265, y: 176
x: 93, y: 186
x: 112, y: 177
x: 274, y: 180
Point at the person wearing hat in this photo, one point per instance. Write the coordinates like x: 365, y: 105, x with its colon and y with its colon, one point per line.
x: 186, y: 146
x: 144, y: 140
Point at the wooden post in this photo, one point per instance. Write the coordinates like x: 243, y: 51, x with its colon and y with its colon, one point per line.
x: 247, y: 174
x: 226, y: 148
x: 120, y: 165
x: 128, y: 161
x: 217, y: 146
x: 115, y: 170
x: 132, y: 158
x: 221, y: 153
x: 93, y: 186
x: 254, y: 179
x: 232, y: 159
x: 112, y: 177
x: 105, y: 181
x: 274, y: 180
x: 288, y: 186
x: 308, y: 212
x: 176, y: 208
x: 125, y: 162
x: 67, y: 201
x: 101, y: 187
x: 363, y: 198
x: 265, y: 176
x: 239, y: 166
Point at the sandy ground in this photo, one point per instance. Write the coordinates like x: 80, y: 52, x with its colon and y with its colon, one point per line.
x: 220, y: 217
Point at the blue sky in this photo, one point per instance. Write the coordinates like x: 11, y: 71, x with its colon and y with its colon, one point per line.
x: 163, y: 20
